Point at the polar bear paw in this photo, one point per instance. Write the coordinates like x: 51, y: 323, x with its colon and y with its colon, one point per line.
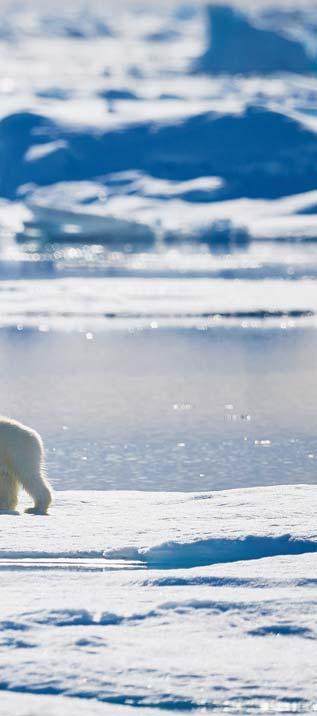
x: 35, y: 511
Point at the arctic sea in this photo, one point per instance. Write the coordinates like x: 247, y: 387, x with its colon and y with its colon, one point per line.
x: 167, y: 409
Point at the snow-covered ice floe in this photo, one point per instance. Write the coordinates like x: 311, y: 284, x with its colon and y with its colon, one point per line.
x: 165, y: 601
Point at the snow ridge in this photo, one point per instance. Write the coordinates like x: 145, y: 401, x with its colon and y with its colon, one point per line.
x: 174, y: 555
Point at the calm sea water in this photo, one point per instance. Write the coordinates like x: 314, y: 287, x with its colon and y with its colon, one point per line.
x: 167, y: 409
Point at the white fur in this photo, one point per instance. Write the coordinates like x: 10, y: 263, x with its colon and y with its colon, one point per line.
x: 22, y: 465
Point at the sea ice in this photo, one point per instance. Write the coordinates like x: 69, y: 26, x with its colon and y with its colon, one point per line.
x: 100, y: 583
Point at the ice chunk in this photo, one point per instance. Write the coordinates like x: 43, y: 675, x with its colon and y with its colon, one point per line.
x: 78, y: 211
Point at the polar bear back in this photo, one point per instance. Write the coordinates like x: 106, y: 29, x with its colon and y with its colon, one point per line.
x: 20, y: 446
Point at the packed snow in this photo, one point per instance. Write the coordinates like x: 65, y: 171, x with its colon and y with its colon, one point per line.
x: 170, y: 601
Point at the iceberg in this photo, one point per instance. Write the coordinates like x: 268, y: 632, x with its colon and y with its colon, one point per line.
x: 236, y: 46
x: 78, y: 211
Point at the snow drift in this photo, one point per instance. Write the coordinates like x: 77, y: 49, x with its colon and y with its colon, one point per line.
x: 173, y: 555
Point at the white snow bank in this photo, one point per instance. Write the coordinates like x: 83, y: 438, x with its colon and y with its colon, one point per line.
x: 203, y: 527
x: 235, y: 46
x: 235, y: 636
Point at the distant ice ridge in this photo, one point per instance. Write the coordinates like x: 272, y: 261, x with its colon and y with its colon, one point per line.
x: 236, y: 46
x: 132, y: 208
x: 256, y: 152
x: 129, y: 207
x: 148, y: 179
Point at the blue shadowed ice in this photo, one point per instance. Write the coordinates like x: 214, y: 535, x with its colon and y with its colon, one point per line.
x: 237, y: 46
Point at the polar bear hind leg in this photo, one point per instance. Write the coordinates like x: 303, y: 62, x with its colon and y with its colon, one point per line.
x: 41, y: 493
x: 32, y: 479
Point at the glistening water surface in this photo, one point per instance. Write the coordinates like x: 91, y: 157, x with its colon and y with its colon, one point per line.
x: 173, y: 409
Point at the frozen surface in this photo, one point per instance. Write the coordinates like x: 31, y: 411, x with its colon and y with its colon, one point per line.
x: 175, y: 602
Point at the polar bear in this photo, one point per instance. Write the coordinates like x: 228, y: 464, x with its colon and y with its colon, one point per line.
x: 22, y: 465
